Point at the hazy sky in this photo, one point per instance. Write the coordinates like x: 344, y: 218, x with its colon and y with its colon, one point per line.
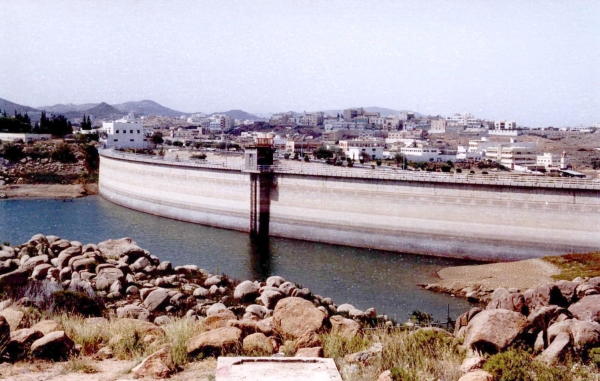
x: 536, y: 62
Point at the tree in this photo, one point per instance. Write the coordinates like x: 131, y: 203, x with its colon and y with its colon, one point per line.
x: 86, y: 124
x: 157, y: 138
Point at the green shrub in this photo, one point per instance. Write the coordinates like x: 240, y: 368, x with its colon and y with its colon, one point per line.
x: 458, y: 170
x: 201, y: 156
x: 63, y: 153
x: 76, y: 302
x: 400, y: 374
x: 12, y: 152
x: 446, y: 168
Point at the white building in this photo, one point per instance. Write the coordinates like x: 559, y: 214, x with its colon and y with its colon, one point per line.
x: 505, y: 125
x: 355, y: 148
x: 12, y: 136
x: 552, y: 161
x: 331, y: 125
x: 513, y: 155
x: 220, y: 122
x: 125, y: 133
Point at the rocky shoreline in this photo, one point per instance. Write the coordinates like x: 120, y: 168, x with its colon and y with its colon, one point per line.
x: 115, y: 283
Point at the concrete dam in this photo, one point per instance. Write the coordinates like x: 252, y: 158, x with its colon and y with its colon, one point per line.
x: 496, y: 217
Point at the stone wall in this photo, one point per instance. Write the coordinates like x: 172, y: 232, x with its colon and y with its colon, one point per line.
x: 485, y: 222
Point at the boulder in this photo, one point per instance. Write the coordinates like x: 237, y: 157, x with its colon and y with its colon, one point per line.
x: 107, y: 275
x: 270, y: 298
x: 20, y: 342
x: 104, y: 354
x: 544, y: 295
x: 568, y: 290
x: 266, y: 326
x: 66, y: 255
x: 502, y: 298
x: 385, y: 376
x: 59, y: 244
x: 257, y: 310
x: 287, y: 288
x: 165, y: 267
x: 218, y: 320
x: 478, y: 375
x: 215, y: 309
x: 584, y: 334
x: 30, y: 264
x: 158, y: 365
x: 14, y: 278
x: 220, y: 341
x: 156, y: 299
x: 116, y: 248
x: 471, y: 364
x: 143, y: 328
x: 47, y: 326
x: 595, y: 281
x: 53, y: 346
x: 294, y: 317
x: 214, y: 280
x: 257, y: 344
x: 346, y: 328
x: 310, y: 352
x: 81, y: 264
x: 365, y: 357
x: 140, y: 264
x: 346, y: 308
x: 246, y: 291
x: 308, y: 340
x: 65, y: 274
x: 494, y: 330
x: 275, y: 281
x: 200, y: 292
x: 40, y: 271
x: 14, y: 317
x: 584, y: 290
x: 556, y: 350
x: 132, y: 311
x: 587, y: 308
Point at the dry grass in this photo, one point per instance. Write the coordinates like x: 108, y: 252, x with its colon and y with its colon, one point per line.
x: 420, y: 356
x: 576, y: 265
x: 79, y: 365
x: 128, y: 342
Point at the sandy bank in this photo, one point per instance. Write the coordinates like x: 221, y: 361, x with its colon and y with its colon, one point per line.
x: 484, y: 279
x: 44, y: 191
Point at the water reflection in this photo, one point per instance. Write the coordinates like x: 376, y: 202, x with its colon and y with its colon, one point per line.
x: 259, y: 249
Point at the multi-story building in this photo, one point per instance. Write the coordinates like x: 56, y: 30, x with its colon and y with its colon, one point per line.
x: 438, y: 126
x: 352, y: 113
x: 355, y: 148
x: 511, y: 156
x: 505, y: 125
x: 125, y: 133
x: 302, y: 146
x: 553, y: 162
x: 220, y: 122
x: 331, y: 125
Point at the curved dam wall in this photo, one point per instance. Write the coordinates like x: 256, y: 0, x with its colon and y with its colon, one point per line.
x: 476, y: 221
x: 212, y: 197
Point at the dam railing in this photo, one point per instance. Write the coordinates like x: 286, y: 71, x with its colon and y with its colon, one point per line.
x: 377, y: 173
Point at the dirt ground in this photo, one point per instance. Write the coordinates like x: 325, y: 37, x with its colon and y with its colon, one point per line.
x: 55, y: 191
x: 484, y: 279
x: 107, y: 370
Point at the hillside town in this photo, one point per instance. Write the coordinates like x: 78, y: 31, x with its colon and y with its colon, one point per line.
x: 415, y: 141
x: 357, y: 135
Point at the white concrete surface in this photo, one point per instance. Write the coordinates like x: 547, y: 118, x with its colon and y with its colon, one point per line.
x: 276, y: 369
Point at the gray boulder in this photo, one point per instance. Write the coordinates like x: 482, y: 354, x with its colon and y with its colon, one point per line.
x: 587, y: 308
x: 246, y: 291
x: 53, y: 346
x: 156, y: 299
x: 494, y: 330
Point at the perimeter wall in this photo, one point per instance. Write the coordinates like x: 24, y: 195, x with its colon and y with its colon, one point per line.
x: 477, y: 221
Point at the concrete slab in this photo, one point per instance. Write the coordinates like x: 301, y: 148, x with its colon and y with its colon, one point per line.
x: 276, y: 368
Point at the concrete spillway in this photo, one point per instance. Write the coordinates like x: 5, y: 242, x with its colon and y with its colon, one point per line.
x: 479, y: 218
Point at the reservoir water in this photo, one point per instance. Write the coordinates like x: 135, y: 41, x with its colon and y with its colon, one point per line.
x: 365, y: 278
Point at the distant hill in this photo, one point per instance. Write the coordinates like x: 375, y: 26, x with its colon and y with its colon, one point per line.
x: 238, y: 114
x: 10, y: 107
x: 64, y: 108
x: 101, y: 111
x: 148, y: 107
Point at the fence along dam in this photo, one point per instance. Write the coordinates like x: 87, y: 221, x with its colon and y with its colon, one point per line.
x: 497, y: 217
